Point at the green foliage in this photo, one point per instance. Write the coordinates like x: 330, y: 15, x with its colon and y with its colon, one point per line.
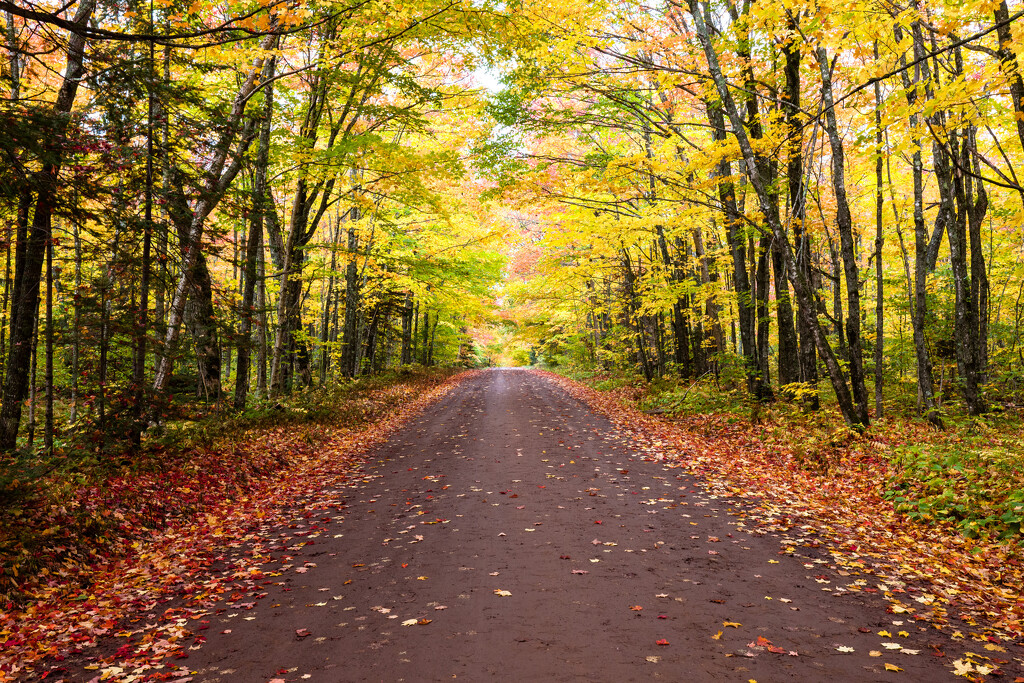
x: 977, y: 487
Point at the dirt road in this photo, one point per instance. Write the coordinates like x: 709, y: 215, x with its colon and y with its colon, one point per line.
x: 511, y: 535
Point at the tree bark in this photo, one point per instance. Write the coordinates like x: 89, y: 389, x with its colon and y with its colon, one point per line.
x: 32, y: 244
x: 738, y: 250
x: 808, y: 358
x: 879, y: 243
x: 219, y: 174
x: 925, y: 383
x: 254, y: 246
x: 844, y: 223
x: 770, y: 210
x: 350, y: 335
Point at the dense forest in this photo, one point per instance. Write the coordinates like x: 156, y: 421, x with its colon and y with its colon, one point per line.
x: 810, y: 197
x: 224, y: 202
x: 216, y: 202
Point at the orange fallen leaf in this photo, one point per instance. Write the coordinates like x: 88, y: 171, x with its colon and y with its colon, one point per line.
x: 662, y: 642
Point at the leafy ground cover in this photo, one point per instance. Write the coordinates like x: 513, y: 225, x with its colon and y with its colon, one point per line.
x: 824, y: 486
x: 76, y: 558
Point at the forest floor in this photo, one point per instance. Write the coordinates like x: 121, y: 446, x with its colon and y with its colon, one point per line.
x: 524, y: 527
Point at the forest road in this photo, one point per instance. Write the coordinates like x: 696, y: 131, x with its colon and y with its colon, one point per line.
x: 510, y: 534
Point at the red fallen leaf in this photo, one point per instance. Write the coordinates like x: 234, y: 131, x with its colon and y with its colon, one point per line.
x: 597, y: 521
x: 864, y: 630
x: 663, y: 616
x: 662, y: 642
x: 564, y: 557
x: 302, y: 632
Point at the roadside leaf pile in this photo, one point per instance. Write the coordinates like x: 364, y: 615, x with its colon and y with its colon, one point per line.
x: 162, y: 577
x: 934, y: 573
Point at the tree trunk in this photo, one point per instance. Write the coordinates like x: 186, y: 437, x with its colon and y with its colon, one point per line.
x: 734, y: 235
x: 217, y: 178
x: 979, y: 274
x: 254, y: 245
x: 925, y: 383
x: 1008, y: 62
x: 879, y: 243
x: 808, y: 357
x: 764, y: 317
x: 770, y: 210
x: 350, y: 338
x: 844, y: 223
x: 407, y: 329
x: 25, y: 300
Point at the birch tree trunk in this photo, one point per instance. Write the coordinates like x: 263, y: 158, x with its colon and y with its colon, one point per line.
x: 218, y: 176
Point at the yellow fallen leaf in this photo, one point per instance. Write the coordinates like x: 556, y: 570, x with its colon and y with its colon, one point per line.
x: 717, y: 636
x: 994, y: 648
x: 903, y: 634
x: 734, y: 624
x: 874, y: 653
x: 962, y: 667
x: 892, y: 667
x: 421, y: 578
x: 885, y: 634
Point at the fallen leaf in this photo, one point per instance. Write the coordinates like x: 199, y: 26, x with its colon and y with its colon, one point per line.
x: 662, y: 642
x: 717, y: 636
x: 302, y: 632
x: 844, y: 648
x: 734, y: 624
x: 503, y: 593
x: 892, y: 667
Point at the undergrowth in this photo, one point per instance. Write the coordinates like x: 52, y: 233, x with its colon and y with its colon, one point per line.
x: 75, y: 509
x: 969, y: 476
